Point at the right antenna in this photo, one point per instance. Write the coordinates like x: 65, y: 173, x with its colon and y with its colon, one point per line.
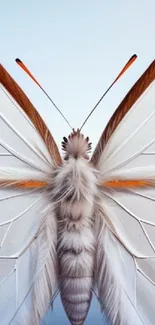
x: 127, y: 65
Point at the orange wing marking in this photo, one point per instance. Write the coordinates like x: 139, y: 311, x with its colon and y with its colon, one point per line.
x: 127, y: 184
x: 24, y: 184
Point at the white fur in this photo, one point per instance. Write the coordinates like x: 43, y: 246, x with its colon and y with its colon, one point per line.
x: 76, y: 242
x: 77, y: 146
x: 76, y: 215
x: 73, y: 212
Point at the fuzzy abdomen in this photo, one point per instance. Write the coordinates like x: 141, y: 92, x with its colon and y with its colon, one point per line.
x: 76, y: 261
x: 74, y: 190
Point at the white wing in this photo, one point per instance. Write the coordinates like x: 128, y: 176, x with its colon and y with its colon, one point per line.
x: 125, y: 157
x: 28, y: 265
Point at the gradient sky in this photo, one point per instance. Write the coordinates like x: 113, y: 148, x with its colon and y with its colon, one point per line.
x: 76, y: 49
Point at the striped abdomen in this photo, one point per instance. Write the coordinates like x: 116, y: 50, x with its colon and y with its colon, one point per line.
x: 74, y: 189
x: 76, y: 261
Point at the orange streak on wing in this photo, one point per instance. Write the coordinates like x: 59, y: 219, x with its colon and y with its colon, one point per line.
x: 127, y: 183
x: 25, y: 184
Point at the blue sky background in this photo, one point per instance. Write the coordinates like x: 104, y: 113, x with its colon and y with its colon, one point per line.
x: 76, y: 49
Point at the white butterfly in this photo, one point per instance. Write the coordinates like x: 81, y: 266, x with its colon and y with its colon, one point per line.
x: 76, y: 225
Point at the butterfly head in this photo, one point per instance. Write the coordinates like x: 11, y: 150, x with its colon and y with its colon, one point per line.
x: 76, y: 145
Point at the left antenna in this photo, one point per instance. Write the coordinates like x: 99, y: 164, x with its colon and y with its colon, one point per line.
x: 23, y: 66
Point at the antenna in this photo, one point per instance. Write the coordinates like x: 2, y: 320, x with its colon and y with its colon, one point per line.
x: 127, y: 65
x: 22, y: 65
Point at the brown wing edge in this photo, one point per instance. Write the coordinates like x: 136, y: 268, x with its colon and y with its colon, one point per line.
x: 135, y: 92
x: 17, y: 93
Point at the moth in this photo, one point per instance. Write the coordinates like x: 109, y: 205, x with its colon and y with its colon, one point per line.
x: 74, y: 224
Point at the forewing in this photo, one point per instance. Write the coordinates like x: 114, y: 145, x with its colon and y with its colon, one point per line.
x: 28, y: 264
x: 125, y: 158
x: 21, y: 100
x: 127, y: 119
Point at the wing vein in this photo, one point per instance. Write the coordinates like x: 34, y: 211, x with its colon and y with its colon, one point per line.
x: 140, y: 271
x: 1, y: 244
x: 124, y: 143
x: 23, y: 159
x: 17, y: 195
x: 27, y: 119
x: 135, y: 155
x: 123, y: 207
x: 18, y: 107
x: 22, y: 139
x: 13, y: 270
x: 146, y: 235
x: 141, y: 194
x: 22, y: 213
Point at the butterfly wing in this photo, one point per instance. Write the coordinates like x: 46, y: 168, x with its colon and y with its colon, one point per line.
x: 28, y: 154
x: 125, y: 158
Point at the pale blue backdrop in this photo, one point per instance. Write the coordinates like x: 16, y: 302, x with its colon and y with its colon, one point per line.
x: 75, y: 49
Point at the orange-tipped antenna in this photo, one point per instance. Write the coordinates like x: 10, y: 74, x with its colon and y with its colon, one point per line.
x: 22, y: 65
x: 127, y: 65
